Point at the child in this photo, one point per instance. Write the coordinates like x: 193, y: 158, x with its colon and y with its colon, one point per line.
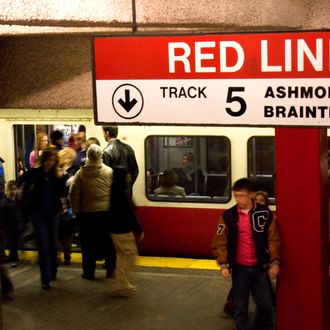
x: 13, y: 221
x: 246, y: 245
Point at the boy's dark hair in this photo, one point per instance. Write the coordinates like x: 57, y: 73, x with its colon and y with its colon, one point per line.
x: 55, y: 136
x: 243, y: 184
x: 82, y: 128
x: 112, y: 130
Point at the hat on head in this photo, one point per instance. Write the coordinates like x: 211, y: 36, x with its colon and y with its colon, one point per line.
x: 94, y: 152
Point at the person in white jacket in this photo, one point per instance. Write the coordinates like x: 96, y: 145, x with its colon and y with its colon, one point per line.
x: 90, y: 200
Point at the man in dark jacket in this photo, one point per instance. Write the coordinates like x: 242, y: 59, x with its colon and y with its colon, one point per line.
x: 247, y: 246
x: 117, y: 153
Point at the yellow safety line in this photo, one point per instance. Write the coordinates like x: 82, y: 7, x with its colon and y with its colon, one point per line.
x: 146, y: 261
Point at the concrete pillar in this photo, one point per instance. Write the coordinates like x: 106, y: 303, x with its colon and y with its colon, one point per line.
x: 302, y: 212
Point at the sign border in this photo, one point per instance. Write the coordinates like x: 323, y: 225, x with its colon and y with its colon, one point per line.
x: 135, y: 35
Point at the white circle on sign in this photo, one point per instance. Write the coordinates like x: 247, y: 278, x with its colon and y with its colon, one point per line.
x: 127, y: 101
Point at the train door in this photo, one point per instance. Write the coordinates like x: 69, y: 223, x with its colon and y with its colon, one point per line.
x: 25, y: 137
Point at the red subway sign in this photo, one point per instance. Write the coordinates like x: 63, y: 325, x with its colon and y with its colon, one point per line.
x: 262, y: 79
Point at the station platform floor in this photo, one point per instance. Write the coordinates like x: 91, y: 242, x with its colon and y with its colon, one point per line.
x: 171, y: 293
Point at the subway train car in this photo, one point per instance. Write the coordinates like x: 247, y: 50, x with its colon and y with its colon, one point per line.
x: 205, y: 160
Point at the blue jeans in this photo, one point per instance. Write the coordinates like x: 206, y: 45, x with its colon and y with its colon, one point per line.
x: 252, y: 279
x: 45, y: 226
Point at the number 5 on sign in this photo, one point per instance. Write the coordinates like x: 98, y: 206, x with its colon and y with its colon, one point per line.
x: 235, y: 98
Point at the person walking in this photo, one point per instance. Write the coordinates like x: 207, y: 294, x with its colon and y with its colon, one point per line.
x: 117, y: 153
x: 124, y: 225
x: 44, y: 188
x: 247, y: 247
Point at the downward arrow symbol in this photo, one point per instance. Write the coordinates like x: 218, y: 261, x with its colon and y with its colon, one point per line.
x: 128, y: 104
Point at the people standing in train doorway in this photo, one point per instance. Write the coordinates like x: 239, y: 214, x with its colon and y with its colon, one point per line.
x: 67, y: 224
x: 90, y: 200
x: 118, y: 153
x: 57, y: 140
x: 40, y: 145
x: 247, y: 247
x: 124, y: 225
x: 80, y: 146
x: 44, y: 188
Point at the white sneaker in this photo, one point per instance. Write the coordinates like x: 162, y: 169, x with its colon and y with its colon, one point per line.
x: 128, y: 291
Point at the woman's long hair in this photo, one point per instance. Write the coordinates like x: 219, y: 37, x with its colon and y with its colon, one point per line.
x: 49, y: 154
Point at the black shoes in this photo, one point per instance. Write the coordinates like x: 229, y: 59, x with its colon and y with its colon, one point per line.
x: 45, y: 286
x: 89, y: 278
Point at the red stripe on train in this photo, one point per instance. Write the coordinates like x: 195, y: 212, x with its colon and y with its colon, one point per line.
x: 180, y: 232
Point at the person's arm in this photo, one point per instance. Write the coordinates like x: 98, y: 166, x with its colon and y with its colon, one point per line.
x: 106, y: 157
x: 75, y: 193
x: 274, y: 249
x: 33, y: 158
x: 219, y: 245
x: 133, y: 166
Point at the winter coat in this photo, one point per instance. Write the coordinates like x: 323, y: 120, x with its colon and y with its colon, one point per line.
x: 33, y: 182
x: 264, y: 234
x: 91, y: 187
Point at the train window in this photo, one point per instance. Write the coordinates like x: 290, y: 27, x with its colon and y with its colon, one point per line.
x: 261, y: 163
x: 198, y: 167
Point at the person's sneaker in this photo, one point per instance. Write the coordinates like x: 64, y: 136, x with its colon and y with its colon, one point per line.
x: 67, y: 262
x: 125, y: 293
x: 14, y: 264
x: 45, y: 286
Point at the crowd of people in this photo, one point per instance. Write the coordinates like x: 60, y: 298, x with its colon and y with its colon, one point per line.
x: 68, y: 189
x: 90, y: 188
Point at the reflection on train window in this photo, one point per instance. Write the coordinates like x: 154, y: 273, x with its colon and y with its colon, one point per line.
x: 188, y: 168
x: 26, y: 137
x: 261, y: 163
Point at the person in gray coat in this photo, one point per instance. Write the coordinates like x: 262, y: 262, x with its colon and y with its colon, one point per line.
x: 90, y: 200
